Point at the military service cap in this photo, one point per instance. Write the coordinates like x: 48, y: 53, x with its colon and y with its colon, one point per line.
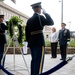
x: 63, y: 24
x: 35, y: 5
x: 1, y: 16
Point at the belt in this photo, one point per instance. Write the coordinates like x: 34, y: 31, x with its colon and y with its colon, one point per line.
x: 36, y: 32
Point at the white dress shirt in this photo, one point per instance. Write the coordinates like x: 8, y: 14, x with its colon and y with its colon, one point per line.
x: 54, y: 37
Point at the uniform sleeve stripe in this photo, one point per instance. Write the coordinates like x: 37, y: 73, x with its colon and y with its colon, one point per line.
x: 40, y: 69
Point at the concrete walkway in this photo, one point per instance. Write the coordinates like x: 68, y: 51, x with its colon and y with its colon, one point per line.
x: 20, y: 67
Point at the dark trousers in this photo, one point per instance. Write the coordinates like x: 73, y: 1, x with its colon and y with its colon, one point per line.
x: 54, y: 49
x: 1, y: 52
x: 37, y: 61
x: 63, y: 51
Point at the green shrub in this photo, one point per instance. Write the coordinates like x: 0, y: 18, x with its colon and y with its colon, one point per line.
x: 72, y: 43
x: 47, y: 43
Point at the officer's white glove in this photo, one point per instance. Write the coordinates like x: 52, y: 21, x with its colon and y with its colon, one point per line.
x: 44, y: 11
x: 68, y: 43
x: 4, y: 21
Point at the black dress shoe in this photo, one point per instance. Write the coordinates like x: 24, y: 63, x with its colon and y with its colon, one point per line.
x: 53, y: 57
x: 63, y: 59
x: 24, y: 54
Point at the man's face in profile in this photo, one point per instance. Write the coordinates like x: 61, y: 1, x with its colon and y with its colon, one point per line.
x: 1, y: 19
x: 38, y: 10
x: 62, y: 26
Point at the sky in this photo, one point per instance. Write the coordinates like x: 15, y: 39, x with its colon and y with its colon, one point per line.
x: 52, y: 7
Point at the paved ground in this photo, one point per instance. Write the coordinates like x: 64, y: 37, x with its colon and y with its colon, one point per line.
x: 20, y: 67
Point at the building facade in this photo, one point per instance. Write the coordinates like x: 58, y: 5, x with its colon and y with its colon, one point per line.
x: 47, y: 31
x: 9, y: 12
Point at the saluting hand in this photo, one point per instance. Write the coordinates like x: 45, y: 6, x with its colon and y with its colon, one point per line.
x: 44, y: 11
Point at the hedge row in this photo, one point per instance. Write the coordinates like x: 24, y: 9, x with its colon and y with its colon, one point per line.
x: 72, y: 43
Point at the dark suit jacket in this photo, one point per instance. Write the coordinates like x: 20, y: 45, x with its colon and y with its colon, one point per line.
x: 3, y: 27
x: 35, y: 24
x: 64, y: 36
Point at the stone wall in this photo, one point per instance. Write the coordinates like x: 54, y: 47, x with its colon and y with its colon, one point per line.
x: 70, y: 50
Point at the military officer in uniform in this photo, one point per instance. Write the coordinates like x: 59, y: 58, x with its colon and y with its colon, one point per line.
x: 35, y: 38
x: 64, y: 40
x: 3, y: 27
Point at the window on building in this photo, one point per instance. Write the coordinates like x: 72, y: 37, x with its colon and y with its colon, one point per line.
x: 5, y: 13
x: 47, y: 36
x: 2, y: 12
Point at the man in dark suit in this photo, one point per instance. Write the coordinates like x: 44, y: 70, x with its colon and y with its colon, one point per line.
x: 3, y: 27
x: 35, y: 38
x: 64, y: 40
